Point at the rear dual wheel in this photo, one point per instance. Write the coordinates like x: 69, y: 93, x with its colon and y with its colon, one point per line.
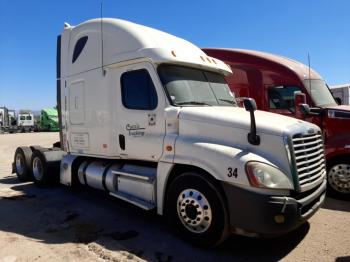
x: 22, y: 163
x: 44, y: 173
x: 196, y: 208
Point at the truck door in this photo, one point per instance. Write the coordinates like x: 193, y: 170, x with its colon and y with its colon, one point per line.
x: 140, y: 112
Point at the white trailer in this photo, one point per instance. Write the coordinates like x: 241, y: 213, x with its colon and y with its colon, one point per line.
x: 341, y: 92
x: 148, y: 117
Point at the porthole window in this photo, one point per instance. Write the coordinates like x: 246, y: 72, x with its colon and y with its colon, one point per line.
x: 79, y: 46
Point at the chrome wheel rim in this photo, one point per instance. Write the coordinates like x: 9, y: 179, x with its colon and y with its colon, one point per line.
x: 19, y: 164
x: 37, y: 168
x: 194, y: 211
x: 339, y: 178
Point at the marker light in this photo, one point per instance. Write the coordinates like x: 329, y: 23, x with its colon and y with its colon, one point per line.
x: 279, y: 219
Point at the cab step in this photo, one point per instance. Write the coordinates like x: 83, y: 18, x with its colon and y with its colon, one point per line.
x: 133, y: 200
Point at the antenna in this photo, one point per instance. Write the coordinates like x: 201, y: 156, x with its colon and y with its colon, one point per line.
x: 101, y: 28
x: 308, y: 58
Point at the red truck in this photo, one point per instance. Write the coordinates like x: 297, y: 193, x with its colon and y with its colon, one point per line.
x: 285, y: 86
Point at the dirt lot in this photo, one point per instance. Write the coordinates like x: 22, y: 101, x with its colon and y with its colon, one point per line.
x: 59, y: 224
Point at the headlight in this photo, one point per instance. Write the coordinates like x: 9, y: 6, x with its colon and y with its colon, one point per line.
x: 266, y: 176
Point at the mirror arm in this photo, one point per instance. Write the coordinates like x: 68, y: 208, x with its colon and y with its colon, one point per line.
x: 253, y: 138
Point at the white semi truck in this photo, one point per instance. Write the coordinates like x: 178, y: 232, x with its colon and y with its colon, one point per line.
x: 25, y: 121
x: 149, y: 118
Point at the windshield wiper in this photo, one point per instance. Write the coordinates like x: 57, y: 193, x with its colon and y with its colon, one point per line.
x: 228, y: 101
x: 193, y: 103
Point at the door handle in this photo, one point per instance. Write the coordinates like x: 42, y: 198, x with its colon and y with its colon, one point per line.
x: 122, y: 142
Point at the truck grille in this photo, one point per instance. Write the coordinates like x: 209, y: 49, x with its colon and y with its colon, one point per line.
x: 309, y: 159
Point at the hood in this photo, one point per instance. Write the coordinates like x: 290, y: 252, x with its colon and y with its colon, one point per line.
x: 340, y: 107
x: 340, y: 112
x: 236, y: 117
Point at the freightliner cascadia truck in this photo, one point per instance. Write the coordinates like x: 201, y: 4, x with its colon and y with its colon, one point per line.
x: 149, y: 118
x: 280, y: 85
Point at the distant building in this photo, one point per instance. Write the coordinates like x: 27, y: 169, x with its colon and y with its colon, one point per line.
x: 342, y: 92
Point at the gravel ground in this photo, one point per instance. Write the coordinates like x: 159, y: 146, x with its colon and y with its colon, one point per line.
x: 58, y: 224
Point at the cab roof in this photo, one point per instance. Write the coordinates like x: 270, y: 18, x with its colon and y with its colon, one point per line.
x: 50, y: 111
x: 123, y: 40
x: 298, y: 68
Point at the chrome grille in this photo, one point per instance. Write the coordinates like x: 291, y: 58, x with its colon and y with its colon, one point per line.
x: 309, y: 159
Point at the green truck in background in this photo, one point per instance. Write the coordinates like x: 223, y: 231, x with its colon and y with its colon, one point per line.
x: 49, y: 120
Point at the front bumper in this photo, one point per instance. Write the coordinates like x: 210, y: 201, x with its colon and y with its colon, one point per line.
x: 255, y: 213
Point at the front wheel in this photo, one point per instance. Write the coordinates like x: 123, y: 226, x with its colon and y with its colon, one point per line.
x: 338, y: 178
x: 197, y: 210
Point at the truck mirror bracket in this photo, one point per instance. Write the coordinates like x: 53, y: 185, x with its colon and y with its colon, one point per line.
x: 250, y: 105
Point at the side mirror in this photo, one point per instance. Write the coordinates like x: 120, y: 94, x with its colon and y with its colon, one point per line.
x: 250, y: 105
x: 299, y: 99
x: 338, y: 100
x: 305, y: 109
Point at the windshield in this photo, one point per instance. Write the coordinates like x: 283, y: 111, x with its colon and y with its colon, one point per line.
x: 319, y: 92
x: 190, y: 86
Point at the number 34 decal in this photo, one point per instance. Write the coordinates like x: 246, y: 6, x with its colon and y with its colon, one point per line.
x: 232, y: 172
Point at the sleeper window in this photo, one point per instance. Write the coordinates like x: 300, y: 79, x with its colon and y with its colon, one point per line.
x: 138, y: 91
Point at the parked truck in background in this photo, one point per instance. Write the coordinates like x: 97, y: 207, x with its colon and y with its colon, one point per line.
x: 4, y: 121
x: 8, y: 121
x: 156, y: 125
x: 25, y: 121
x: 281, y: 85
x: 49, y: 120
x: 12, y: 117
x: 341, y: 93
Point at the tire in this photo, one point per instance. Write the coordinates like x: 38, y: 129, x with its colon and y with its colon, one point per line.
x: 338, y: 178
x: 196, y: 210
x: 22, y: 161
x: 44, y: 174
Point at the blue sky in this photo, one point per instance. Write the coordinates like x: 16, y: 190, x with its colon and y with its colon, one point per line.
x: 291, y: 28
